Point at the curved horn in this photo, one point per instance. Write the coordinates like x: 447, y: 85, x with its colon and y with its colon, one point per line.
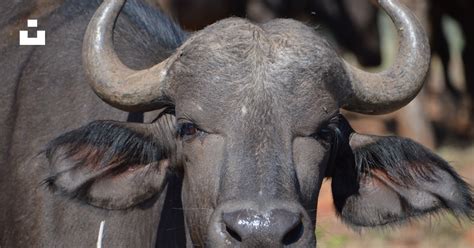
x: 111, y: 80
x: 389, y: 90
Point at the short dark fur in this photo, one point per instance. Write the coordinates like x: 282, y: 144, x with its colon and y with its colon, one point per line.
x: 342, y: 169
x: 341, y: 130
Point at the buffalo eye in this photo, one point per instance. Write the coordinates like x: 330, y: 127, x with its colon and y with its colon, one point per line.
x: 324, y: 134
x: 188, y: 130
x: 328, y: 132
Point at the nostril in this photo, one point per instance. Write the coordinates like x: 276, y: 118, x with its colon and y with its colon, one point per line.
x: 273, y: 227
x: 233, y: 233
x: 294, y: 234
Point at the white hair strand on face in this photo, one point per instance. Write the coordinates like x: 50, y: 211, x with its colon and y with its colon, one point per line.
x: 101, y: 234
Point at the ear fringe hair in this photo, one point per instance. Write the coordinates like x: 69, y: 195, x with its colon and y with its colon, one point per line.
x: 407, y: 162
x: 99, y: 145
x: 114, y: 139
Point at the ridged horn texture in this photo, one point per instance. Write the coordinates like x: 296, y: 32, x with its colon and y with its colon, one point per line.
x: 111, y: 80
x: 389, y: 90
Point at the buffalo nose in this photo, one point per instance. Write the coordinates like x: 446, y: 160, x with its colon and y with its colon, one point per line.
x: 273, y: 228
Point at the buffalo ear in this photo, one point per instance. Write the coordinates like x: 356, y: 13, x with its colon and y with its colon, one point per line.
x: 386, y: 180
x: 111, y: 164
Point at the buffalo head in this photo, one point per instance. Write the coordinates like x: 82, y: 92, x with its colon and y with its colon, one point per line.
x: 251, y: 121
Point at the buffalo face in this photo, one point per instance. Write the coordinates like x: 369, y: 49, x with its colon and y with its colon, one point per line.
x: 253, y: 134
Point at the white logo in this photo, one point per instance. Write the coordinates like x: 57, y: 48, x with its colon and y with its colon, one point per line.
x: 39, y: 40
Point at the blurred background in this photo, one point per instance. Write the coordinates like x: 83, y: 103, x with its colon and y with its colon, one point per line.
x: 441, y: 117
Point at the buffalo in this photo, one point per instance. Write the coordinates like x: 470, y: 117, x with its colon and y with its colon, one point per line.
x: 247, y: 126
x: 43, y: 95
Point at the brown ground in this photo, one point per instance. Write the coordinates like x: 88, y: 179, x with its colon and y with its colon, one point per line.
x: 432, y: 232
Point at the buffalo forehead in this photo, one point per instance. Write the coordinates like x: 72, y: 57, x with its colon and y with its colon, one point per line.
x: 236, y: 66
